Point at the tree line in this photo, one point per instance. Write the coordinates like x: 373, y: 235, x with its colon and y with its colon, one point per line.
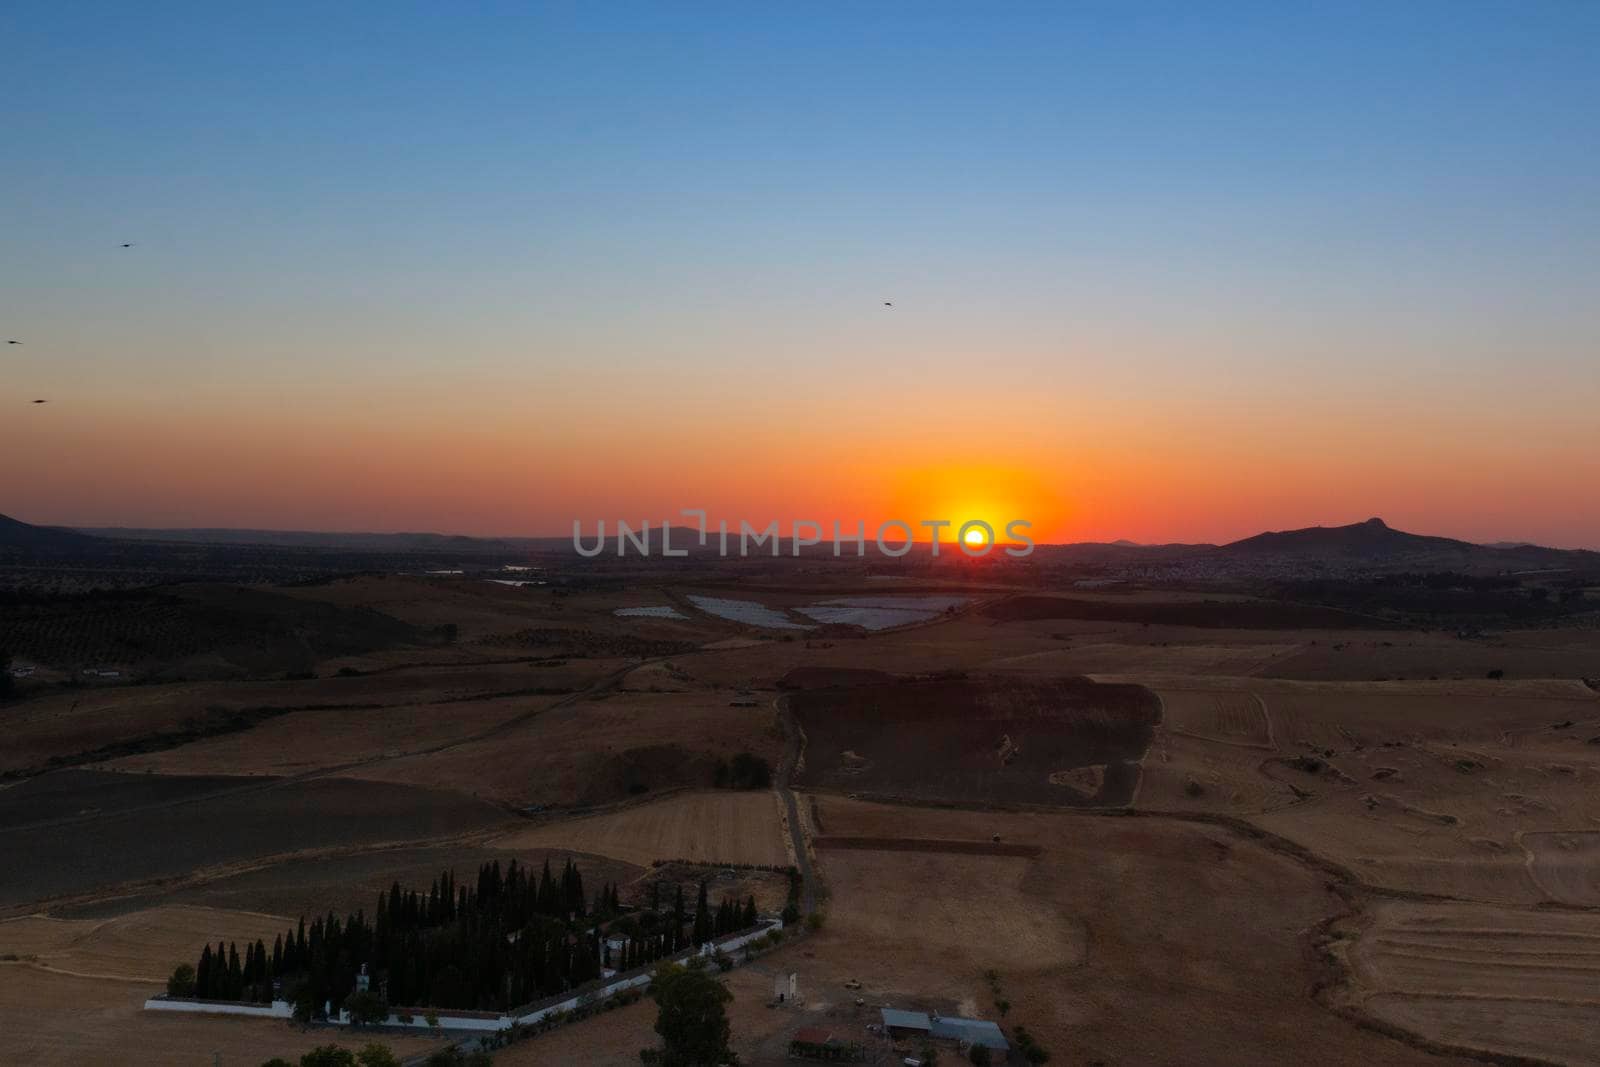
x: 512, y: 937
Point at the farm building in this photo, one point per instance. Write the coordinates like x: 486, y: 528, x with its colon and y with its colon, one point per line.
x: 964, y: 1032
x: 897, y: 1023
x: 969, y: 1032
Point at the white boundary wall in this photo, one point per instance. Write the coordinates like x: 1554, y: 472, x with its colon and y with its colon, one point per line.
x: 279, y: 1009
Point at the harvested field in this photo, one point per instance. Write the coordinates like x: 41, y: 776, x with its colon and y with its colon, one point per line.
x: 74, y: 727
x: 306, y: 740
x: 1566, y: 864
x: 1134, y: 657
x: 923, y: 844
x: 1512, y: 981
x: 581, y: 644
x: 142, y: 946
x: 832, y: 677
x: 1124, y: 939
x: 261, y: 818
x: 1229, y: 716
x: 976, y: 740
x: 597, y: 750
x: 55, y: 1019
x: 719, y: 827
x: 1185, y: 773
x: 1210, y: 614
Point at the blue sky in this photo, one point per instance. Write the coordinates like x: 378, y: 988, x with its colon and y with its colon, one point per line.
x: 1250, y: 204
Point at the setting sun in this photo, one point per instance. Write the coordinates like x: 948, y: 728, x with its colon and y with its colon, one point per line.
x: 975, y: 537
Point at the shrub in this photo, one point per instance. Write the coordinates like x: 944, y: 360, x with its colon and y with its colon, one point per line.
x: 328, y: 1056
x: 181, y: 984
x: 376, y: 1055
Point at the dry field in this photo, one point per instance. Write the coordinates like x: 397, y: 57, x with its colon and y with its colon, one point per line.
x: 982, y: 740
x: 597, y: 750
x: 1094, y: 655
x: 1506, y: 980
x: 1228, y: 716
x: 311, y: 740
x: 155, y: 843
x: 56, y: 1019
x: 143, y: 946
x: 80, y: 723
x: 1566, y: 865
x: 1156, y: 938
x: 1128, y: 940
x: 713, y: 827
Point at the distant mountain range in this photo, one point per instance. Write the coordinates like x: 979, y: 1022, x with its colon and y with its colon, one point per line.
x: 389, y: 542
x: 1372, y: 545
x: 1369, y: 545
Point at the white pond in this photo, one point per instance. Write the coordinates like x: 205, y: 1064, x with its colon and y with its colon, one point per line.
x: 748, y: 612
x: 880, y: 612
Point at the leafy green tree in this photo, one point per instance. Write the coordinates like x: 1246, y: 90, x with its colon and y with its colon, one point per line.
x: 691, y: 1017
x: 376, y: 1055
x: 366, y: 1008
x: 328, y: 1056
x: 181, y: 984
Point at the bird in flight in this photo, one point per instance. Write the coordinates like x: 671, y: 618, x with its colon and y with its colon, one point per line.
x: 13, y: 342
x: 41, y: 401
x: 128, y: 245
x: 887, y: 304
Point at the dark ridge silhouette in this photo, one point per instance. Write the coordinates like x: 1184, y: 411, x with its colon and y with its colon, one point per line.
x: 1371, y: 538
x: 15, y: 534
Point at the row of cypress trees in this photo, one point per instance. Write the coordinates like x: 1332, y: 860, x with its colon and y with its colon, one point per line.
x: 511, y: 938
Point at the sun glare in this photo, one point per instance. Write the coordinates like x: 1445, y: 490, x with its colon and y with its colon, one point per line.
x: 975, y: 537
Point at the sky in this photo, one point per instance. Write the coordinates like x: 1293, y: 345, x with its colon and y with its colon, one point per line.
x: 1169, y: 272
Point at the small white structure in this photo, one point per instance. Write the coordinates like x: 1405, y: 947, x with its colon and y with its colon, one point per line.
x: 786, y: 988
x: 363, y: 980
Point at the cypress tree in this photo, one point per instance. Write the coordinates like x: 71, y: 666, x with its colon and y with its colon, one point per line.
x: 202, y: 974
x: 235, y: 973
x: 702, y: 921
